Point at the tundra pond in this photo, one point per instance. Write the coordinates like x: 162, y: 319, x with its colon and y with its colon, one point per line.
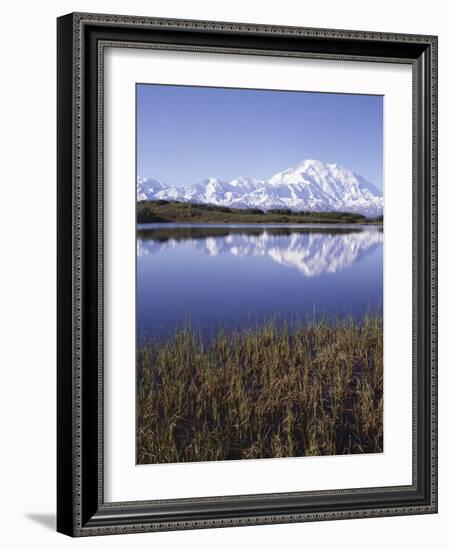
x: 216, y: 277
x: 258, y: 342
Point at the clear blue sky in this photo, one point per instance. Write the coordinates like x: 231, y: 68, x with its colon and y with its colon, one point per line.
x: 186, y: 133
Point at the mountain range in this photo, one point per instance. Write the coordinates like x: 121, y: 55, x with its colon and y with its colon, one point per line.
x: 312, y: 185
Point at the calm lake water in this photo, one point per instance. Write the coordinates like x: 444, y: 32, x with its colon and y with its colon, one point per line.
x: 221, y: 276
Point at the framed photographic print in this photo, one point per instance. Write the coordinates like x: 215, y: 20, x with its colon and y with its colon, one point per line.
x: 247, y: 284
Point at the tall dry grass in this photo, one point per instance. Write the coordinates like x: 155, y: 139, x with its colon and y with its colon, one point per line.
x: 262, y: 393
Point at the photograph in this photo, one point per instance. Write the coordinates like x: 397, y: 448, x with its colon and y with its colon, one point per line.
x: 259, y: 273
x: 247, y: 274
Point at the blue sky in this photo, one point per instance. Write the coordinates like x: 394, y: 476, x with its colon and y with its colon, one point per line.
x: 186, y: 133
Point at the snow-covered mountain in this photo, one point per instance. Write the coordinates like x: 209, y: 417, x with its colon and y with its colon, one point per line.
x: 311, y: 253
x: 147, y: 187
x: 312, y: 185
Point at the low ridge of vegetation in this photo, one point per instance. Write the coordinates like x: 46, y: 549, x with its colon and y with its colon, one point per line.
x: 163, y: 211
x: 265, y: 392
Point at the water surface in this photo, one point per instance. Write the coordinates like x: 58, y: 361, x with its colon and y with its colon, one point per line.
x: 223, y: 276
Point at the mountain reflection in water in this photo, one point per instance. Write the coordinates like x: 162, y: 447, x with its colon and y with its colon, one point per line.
x: 227, y: 277
x: 310, y: 250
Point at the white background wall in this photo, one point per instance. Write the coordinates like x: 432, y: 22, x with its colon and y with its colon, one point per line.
x: 27, y: 300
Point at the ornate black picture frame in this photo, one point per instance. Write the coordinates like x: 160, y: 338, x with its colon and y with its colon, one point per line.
x: 81, y: 509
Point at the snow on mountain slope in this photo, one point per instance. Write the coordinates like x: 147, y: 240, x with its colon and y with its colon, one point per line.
x: 147, y: 187
x: 312, y: 185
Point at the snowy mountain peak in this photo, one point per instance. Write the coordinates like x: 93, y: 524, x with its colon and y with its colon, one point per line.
x: 247, y: 183
x: 296, y: 173
x: 213, y: 181
x: 148, y: 187
x: 312, y: 185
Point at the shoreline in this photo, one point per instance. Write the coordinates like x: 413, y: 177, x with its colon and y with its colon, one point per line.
x: 262, y: 393
x: 160, y: 212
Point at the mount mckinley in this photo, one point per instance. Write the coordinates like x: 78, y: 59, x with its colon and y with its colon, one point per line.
x: 310, y: 186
